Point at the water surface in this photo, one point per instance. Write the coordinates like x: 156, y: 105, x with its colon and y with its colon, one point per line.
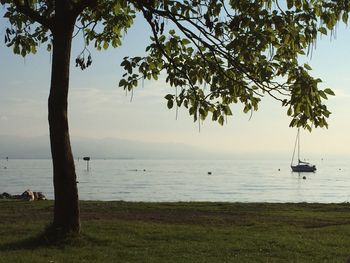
x: 187, y: 180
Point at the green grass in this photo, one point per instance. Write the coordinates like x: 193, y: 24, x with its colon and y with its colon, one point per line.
x: 180, y: 232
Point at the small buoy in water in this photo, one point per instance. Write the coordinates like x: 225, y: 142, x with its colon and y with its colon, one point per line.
x: 144, y: 170
x: 279, y: 169
x: 5, y: 167
x: 209, y: 173
x: 339, y: 169
x: 304, y: 177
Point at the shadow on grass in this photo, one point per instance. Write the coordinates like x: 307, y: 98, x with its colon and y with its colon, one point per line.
x: 53, y: 238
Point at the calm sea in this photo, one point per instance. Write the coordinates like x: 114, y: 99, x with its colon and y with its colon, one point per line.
x: 187, y: 180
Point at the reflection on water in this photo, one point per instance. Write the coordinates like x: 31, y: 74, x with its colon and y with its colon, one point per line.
x: 188, y: 180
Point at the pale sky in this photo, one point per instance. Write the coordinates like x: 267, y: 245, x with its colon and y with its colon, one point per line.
x: 99, y: 109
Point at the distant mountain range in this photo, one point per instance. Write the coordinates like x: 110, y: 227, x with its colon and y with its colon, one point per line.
x: 108, y: 148
x: 113, y: 148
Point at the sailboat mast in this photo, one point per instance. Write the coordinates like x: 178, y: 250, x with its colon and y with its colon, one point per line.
x: 295, y: 146
x: 298, y: 145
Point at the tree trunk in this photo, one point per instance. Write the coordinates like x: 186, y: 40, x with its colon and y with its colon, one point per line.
x: 66, y: 211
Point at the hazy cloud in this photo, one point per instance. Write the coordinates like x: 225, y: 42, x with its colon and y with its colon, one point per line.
x: 341, y: 93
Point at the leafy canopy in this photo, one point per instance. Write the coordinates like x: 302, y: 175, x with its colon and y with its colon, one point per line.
x: 213, y: 52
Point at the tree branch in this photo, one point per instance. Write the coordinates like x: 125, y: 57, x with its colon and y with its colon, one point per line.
x: 32, y: 14
x: 82, y: 4
x: 162, y: 49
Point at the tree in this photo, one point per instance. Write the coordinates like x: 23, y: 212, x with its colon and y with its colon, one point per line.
x: 214, y: 52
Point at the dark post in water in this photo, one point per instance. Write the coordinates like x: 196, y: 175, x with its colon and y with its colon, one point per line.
x: 87, y: 159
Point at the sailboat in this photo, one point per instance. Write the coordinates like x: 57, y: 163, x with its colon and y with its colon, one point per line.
x: 301, y: 166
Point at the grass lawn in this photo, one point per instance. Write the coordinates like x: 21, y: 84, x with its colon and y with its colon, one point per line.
x: 180, y: 232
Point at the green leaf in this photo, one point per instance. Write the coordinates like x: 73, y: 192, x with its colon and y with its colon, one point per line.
x: 203, y: 113
x: 298, y: 3
x: 186, y: 104
x: 247, y: 108
x: 323, y: 94
x: 185, y: 41
x: 323, y: 30
x: 345, y: 17
x: 326, y: 113
x: 221, y: 120
x: 308, y: 127
x: 192, y: 110
x: 227, y: 110
x: 170, y: 104
x: 169, y: 97
x: 293, y: 123
x: 329, y: 91
x: 16, y: 49
x: 290, y: 4
x: 122, y: 83
x: 23, y: 52
x: 116, y: 8
x: 307, y: 67
x: 307, y: 111
x: 215, y: 116
x: 33, y: 49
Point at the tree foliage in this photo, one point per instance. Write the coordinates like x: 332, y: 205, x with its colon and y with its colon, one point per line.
x: 214, y: 52
x: 222, y: 52
x: 31, y: 23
